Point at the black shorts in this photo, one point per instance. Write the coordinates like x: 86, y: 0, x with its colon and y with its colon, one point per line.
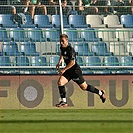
x: 75, y: 75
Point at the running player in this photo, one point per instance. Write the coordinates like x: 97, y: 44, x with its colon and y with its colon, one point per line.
x: 72, y: 71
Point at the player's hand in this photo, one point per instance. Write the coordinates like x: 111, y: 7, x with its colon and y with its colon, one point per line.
x: 60, y: 72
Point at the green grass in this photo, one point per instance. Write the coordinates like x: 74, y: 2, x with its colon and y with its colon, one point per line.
x: 66, y: 121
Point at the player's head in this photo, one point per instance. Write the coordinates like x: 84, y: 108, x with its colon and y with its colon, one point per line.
x: 64, y: 40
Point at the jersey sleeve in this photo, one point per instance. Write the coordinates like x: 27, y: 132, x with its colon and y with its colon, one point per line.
x: 72, y: 54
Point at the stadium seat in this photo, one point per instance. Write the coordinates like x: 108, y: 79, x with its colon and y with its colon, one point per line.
x: 79, y: 60
x: 56, y: 21
x: 5, y: 61
x: 82, y: 49
x: 52, y: 34
x: 110, y: 61
x: 21, y: 61
x: 112, y: 21
x: 6, y: 20
x: 125, y: 34
x: 17, y: 34
x: 126, y: 61
x: 10, y: 49
x: 95, y: 21
x: 89, y: 34
x: 93, y: 61
x: 36, y: 35
x: 28, y: 49
x: 129, y: 47
x: 38, y: 61
x: 77, y: 21
x: 29, y: 23
x: 3, y: 35
x: 107, y: 35
x: 53, y: 60
x: 100, y: 49
x: 73, y: 35
x: 42, y: 21
x: 118, y: 48
x: 127, y: 21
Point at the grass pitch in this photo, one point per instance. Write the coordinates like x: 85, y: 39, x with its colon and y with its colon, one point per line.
x: 67, y: 121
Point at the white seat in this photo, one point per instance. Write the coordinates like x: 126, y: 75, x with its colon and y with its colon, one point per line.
x: 125, y: 34
x: 130, y: 47
x: 107, y: 35
x: 112, y: 21
x: 95, y: 21
x: 118, y: 48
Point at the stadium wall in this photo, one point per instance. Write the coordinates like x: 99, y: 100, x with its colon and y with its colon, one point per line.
x: 41, y: 92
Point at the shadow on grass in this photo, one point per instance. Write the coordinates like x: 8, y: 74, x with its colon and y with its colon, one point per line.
x: 66, y: 121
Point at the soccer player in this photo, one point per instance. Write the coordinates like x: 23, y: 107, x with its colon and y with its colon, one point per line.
x: 72, y: 71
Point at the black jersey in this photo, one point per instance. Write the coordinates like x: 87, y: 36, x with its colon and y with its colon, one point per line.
x: 74, y: 72
x: 69, y: 54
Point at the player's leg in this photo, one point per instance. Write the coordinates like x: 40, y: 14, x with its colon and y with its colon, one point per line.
x: 61, y: 85
x: 87, y: 87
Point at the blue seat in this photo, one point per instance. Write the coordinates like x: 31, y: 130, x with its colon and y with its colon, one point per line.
x: 5, y: 61
x: 28, y: 49
x: 10, y: 49
x: 36, y: 35
x: 82, y: 49
x: 110, y: 61
x: 79, y: 60
x: 127, y: 61
x: 56, y: 21
x: 93, y: 61
x: 17, y: 34
x: 77, y: 21
x: 52, y: 34
x: 6, y: 20
x: 89, y: 35
x: 53, y: 60
x: 3, y: 35
x: 29, y: 23
x: 100, y: 49
x: 21, y: 61
x: 38, y: 61
x: 127, y: 21
x: 73, y: 35
x: 42, y: 21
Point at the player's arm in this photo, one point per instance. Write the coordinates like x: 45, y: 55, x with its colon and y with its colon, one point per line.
x: 59, y: 62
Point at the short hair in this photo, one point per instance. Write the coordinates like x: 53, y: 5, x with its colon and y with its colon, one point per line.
x: 63, y: 36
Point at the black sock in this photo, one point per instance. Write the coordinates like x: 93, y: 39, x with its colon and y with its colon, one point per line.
x: 92, y: 89
x: 62, y: 91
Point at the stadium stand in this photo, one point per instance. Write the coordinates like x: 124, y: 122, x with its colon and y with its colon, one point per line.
x: 102, y: 41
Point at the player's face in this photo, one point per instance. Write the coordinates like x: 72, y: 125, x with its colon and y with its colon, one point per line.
x: 64, y: 42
